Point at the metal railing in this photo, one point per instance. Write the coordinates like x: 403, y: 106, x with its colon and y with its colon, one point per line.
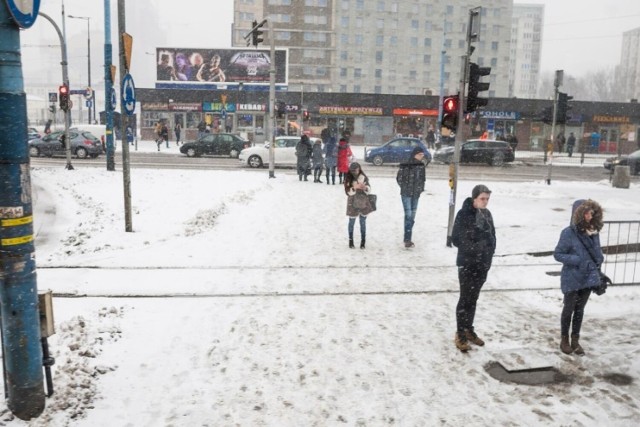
x: 620, y: 242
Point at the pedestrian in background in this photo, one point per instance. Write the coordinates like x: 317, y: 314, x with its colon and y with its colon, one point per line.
x: 331, y: 159
x: 158, y: 132
x: 177, y: 129
x: 474, y: 235
x: 430, y: 139
x: 164, y: 133
x: 303, y: 154
x: 580, y: 253
x: 345, y: 156
x: 571, y: 143
x: 317, y: 159
x: 411, y: 178
x: 356, y: 185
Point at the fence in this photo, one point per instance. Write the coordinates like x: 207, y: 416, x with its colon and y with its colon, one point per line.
x: 620, y: 242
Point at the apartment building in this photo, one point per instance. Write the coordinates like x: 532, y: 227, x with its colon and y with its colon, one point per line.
x: 629, y: 70
x: 526, y: 48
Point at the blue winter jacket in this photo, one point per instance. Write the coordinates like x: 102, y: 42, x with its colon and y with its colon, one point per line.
x: 579, y: 271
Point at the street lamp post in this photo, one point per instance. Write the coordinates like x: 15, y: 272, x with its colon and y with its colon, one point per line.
x: 93, y: 103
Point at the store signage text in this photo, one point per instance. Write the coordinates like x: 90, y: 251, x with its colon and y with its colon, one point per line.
x: 505, y: 115
x: 414, y: 112
x: 359, y: 111
x: 252, y: 107
x: 611, y: 119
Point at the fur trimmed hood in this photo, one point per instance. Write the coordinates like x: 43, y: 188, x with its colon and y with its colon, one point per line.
x: 577, y: 217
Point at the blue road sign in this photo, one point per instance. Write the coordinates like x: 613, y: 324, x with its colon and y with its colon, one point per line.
x: 88, y: 103
x: 114, y: 99
x: 128, y: 95
x: 24, y: 12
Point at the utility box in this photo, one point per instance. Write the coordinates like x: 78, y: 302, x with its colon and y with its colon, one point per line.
x: 45, y: 303
x: 621, y: 177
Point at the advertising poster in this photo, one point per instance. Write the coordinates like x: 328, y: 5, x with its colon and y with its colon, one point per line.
x: 231, y: 65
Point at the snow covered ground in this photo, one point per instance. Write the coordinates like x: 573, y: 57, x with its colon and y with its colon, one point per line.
x: 236, y: 301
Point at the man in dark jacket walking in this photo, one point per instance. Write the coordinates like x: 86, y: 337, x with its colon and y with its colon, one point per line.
x: 411, y: 178
x: 475, y: 237
x: 303, y: 153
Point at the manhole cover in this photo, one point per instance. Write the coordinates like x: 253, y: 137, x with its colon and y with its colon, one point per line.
x: 527, y: 377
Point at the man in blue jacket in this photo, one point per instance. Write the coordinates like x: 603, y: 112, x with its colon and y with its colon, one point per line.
x: 475, y: 237
x: 411, y: 178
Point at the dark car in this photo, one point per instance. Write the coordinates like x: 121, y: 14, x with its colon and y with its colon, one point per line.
x: 632, y: 160
x: 215, y: 144
x: 83, y: 144
x: 397, y: 150
x: 495, y: 153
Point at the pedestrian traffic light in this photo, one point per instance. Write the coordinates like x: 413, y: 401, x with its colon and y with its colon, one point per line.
x: 475, y: 86
x: 52, y: 108
x: 305, y: 115
x: 449, y: 118
x: 547, y: 115
x: 256, y: 33
x: 63, y: 92
x: 563, y: 107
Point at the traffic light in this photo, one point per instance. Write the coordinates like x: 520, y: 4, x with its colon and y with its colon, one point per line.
x: 63, y: 92
x: 52, y: 108
x: 305, y: 115
x: 256, y: 33
x: 281, y: 109
x: 563, y: 107
x: 547, y: 115
x: 475, y: 85
x: 450, y: 112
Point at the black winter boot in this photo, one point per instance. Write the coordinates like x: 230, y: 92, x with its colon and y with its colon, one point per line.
x: 351, y: 245
x: 362, y: 241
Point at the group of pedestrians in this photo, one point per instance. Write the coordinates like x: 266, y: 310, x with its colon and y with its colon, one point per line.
x: 162, y: 133
x: 324, y: 155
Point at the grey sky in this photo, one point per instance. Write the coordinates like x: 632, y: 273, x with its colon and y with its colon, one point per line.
x: 579, y: 35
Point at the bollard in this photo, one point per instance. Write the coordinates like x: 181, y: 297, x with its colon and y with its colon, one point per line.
x: 621, y: 177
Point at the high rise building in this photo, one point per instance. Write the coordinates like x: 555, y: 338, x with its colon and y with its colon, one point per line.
x: 629, y: 70
x: 526, y: 48
x: 382, y: 46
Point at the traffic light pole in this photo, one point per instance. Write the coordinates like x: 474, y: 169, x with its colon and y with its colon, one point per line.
x: 65, y: 81
x: 557, y: 82
x: 272, y: 102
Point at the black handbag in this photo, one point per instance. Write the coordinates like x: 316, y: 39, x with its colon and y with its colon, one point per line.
x: 604, y: 279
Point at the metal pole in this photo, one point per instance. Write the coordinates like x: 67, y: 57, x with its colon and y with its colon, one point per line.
x: 21, y: 352
x: 108, y: 87
x: 65, y: 80
x: 272, y: 101
x: 556, y: 84
x: 126, y: 175
x: 88, y: 19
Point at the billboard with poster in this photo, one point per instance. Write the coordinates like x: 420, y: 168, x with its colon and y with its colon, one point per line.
x: 219, y: 66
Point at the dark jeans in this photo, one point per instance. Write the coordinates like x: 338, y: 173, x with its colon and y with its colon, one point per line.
x: 363, y: 226
x: 574, y: 303
x: 410, y: 205
x: 471, y: 280
x: 333, y: 174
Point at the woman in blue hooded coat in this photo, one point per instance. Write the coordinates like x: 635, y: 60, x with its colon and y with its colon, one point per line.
x: 580, y: 253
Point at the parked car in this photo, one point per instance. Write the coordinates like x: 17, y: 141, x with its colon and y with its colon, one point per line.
x: 83, y: 144
x: 33, y: 133
x: 632, y: 160
x: 495, y: 153
x: 397, y: 150
x: 284, y: 152
x: 215, y: 144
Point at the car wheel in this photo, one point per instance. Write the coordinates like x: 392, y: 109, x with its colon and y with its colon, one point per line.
x: 498, y: 159
x: 234, y: 153
x: 255, y: 161
x: 82, y: 153
x: 34, y: 151
x: 377, y: 160
x: 191, y: 152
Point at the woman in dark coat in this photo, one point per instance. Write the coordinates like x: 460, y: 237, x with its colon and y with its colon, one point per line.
x: 356, y: 186
x: 303, y: 154
x: 580, y: 253
x: 411, y: 178
x: 474, y: 234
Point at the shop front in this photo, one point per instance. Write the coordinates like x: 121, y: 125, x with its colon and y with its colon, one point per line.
x: 612, y: 134
x: 413, y: 123
x: 362, y: 125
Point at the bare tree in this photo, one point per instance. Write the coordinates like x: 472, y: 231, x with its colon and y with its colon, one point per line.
x: 598, y: 85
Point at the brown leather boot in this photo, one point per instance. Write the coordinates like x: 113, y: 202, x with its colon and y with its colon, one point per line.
x: 564, y: 345
x: 461, y: 342
x: 473, y: 337
x: 575, y: 345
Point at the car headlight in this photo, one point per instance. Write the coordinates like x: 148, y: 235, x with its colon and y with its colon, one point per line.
x: 368, y: 153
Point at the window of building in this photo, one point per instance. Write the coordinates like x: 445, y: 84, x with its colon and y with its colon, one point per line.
x: 462, y: 44
x: 356, y: 88
x: 280, y: 17
x: 321, y: 88
x: 449, y: 10
x: 380, y: 6
x: 344, y: 55
x: 343, y: 72
x: 359, y: 4
x: 426, y: 59
x: 344, y: 22
x: 343, y: 88
x: 494, y: 45
x: 313, y: 53
x: 447, y: 43
x: 448, y: 27
x: 413, y: 58
x: 315, y: 19
x: 357, y: 73
x: 392, y: 75
x: 413, y: 41
x: 344, y: 39
x: 377, y: 89
x: 309, y: 70
x: 379, y: 56
x: 495, y: 29
x: 380, y: 24
x: 344, y: 5
x: 428, y: 26
x: 359, y: 39
x: 414, y: 24
x: 357, y: 56
x: 247, y: 16
x: 321, y: 71
x: 394, y: 24
x: 378, y: 73
x: 427, y: 42
x: 359, y: 23
x: 283, y: 35
x: 392, y: 89
x: 494, y: 62
x: 393, y: 40
x: 394, y: 7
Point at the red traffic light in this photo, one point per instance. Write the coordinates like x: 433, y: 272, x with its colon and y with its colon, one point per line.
x: 63, y: 90
x: 450, y: 105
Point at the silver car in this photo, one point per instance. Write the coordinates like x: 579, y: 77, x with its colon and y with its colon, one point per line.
x: 83, y: 144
